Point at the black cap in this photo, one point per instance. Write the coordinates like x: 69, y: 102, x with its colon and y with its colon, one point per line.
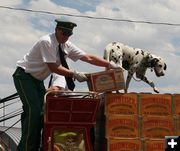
x: 66, y: 26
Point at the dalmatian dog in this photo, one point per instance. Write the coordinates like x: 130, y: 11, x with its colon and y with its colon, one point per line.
x: 135, y: 60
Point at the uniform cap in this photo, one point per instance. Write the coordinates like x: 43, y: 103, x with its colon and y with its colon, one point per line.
x: 66, y: 26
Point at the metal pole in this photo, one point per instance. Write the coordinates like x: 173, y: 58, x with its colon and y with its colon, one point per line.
x: 4, y: 113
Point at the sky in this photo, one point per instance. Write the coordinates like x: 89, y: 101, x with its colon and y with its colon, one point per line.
x: 21, y: 29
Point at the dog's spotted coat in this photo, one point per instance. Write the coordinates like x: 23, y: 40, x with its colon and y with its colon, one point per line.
x: 135, y: 60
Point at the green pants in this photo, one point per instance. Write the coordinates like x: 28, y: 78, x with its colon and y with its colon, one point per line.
x: 31, y: 92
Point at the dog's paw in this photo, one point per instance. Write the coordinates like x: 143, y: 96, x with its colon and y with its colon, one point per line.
x: 117, y: 91
x: 152, y: 85
x: 125, y: 90
x: 156, y: 90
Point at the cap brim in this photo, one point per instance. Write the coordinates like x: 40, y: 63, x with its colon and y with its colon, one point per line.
x: 67, y: 32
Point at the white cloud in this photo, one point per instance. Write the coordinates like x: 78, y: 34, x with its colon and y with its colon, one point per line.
x: 10, y: 2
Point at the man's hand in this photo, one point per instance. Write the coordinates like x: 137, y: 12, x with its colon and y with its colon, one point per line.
x: 81, y: 77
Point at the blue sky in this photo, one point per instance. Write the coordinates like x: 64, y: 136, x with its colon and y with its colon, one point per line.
x: 20, y: 30
x: 81, y: 5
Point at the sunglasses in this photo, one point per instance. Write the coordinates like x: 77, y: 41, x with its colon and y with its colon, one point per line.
x: 66, y: 33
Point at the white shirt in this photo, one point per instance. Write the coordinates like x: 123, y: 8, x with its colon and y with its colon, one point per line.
x: 60, y: 81
x: 72, y: 52
x: 46, y: 51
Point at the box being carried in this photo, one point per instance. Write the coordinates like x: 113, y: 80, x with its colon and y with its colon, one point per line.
x: 103, y: 81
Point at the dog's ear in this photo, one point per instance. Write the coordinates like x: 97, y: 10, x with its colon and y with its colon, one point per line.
x: 125, y: 64
x: 153, y: 62
x: 165, y: 66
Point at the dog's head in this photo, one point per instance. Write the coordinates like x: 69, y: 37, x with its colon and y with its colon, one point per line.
x: 159, y: 66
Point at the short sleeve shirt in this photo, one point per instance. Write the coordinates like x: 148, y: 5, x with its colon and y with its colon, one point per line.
x: 46, y: 51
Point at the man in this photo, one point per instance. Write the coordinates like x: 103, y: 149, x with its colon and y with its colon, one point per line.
x: 42, y: 60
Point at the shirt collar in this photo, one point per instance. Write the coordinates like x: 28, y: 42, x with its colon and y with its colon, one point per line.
x: 54, y: 39
x: 57, y: 43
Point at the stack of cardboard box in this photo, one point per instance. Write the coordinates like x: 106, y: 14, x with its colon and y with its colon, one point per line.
x: 122, y: 122
x: 140, y: 121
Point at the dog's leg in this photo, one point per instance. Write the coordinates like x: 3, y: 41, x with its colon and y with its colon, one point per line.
x: 129, y: 77
x: 107, y: 55
x: 144, y: 78
x: 107, y: 52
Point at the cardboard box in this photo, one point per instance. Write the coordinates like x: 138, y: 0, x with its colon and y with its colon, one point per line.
x: 121, y: 103
x: 156, y: 104
x: 158, y: 126
x: 177, y: 122
x: 104, y: 81
x: 154, y: 145
x: 125, y: 144
x: 177, y: 104
x: 122, y: 126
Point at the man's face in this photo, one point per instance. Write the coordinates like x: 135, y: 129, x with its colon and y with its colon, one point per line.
x: 61, y: 36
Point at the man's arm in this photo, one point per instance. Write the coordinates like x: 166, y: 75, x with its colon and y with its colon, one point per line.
x: 81, y: 77
x: 60, y: 69
x: 95, y: 60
